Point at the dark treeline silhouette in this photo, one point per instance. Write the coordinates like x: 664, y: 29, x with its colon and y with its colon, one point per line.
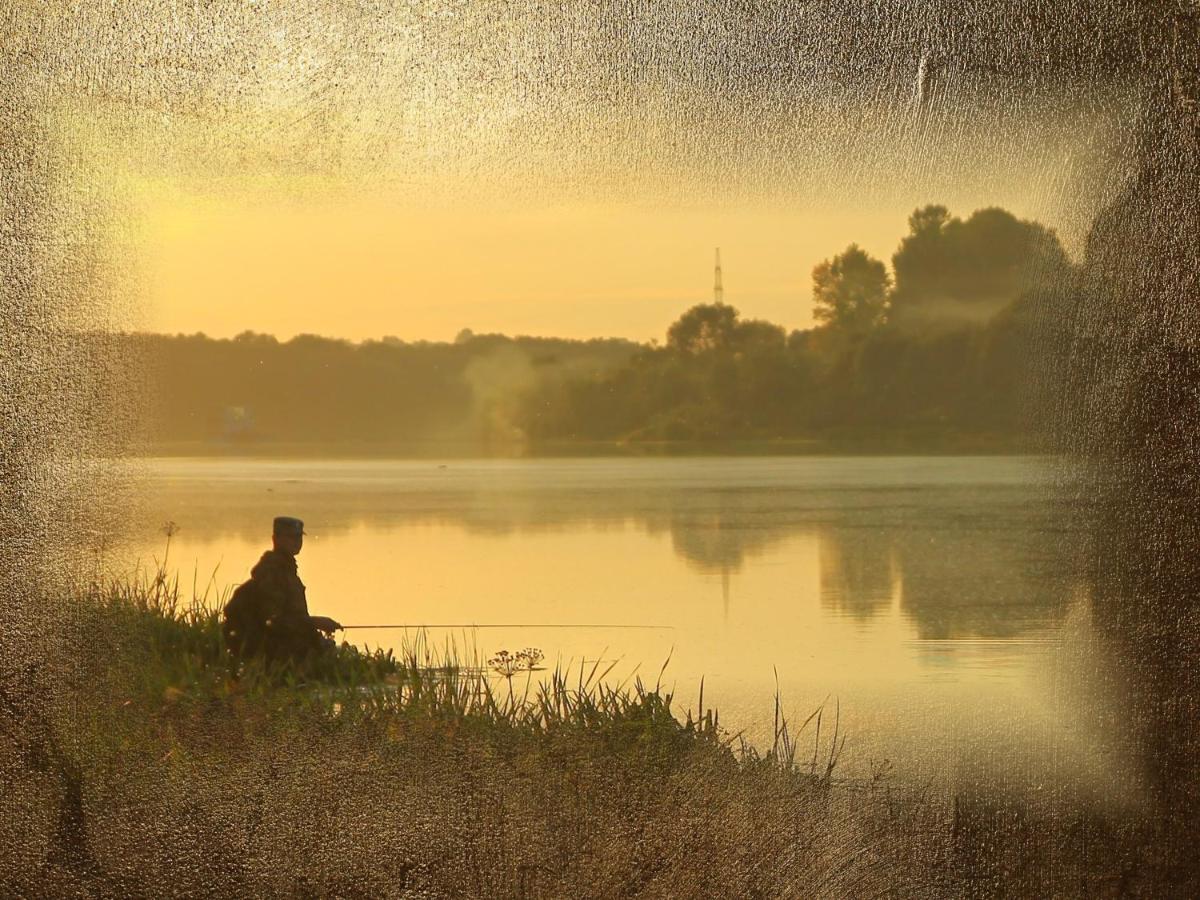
x: 937, y: 356
x: 933, y: 356
x: 254, y: 390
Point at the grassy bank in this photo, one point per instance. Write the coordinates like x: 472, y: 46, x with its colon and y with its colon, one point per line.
x: 423, y: 771
x: 427, y: 774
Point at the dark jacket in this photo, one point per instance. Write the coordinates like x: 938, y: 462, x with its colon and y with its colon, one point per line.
x: 268, y: 615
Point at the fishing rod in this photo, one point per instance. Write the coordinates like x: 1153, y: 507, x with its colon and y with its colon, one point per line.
x: 514, y: 625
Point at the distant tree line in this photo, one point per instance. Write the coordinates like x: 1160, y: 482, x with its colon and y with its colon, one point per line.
x: 254, y: 390
x: 938, y: 352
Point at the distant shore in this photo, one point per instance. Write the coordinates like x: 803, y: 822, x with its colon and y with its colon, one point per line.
x: 908, y: 444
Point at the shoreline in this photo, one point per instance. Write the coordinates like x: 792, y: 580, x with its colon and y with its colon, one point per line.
x: 471, y: 794
x: 589, y: 449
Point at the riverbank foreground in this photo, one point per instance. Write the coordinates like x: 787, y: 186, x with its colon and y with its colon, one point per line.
x: 423, y: 773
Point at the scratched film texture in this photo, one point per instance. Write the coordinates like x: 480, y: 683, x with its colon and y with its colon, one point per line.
x: 731, y: 100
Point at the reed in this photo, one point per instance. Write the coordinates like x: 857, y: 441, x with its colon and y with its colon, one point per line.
x: 433, y: 771
x: 455, y: 774
x: 165, y: 646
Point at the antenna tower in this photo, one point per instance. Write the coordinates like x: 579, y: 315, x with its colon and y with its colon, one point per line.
x: 718, y: 288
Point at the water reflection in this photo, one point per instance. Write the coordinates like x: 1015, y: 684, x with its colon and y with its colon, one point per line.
x: 962, y: 583
x: 859, y: 571
x: 965, y: 548
x: 933, y: 597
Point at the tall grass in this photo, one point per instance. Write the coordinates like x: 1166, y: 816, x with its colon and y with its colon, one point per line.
x: 165, y: 647
x: 423, y: 772
x: 448, y: 777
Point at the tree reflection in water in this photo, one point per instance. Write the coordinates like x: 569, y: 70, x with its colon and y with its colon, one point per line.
x: 973, y: 555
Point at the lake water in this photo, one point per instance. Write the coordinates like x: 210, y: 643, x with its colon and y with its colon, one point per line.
x: 935, y: 600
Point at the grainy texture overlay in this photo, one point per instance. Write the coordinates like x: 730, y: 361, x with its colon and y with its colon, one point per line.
x: 113, y: 783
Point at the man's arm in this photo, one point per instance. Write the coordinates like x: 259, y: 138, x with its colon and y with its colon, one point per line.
x: 324, y: 623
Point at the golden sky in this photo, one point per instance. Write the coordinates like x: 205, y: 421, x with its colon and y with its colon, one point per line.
x: 447, y: 166
x: 368, y: 269
x: 364, y: 269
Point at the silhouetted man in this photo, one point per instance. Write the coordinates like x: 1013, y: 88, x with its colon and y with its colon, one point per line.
x: 268, y: 615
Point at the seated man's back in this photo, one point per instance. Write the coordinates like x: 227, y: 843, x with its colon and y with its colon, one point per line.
x: 288, y: 631
x: 268, y: 615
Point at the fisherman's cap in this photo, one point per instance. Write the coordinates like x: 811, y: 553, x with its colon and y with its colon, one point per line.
x: 288, y: 525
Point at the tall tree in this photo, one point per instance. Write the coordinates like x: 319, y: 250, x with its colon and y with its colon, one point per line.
x: 706, y: 326
x: 850, y: 291
x: 950, y: 271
